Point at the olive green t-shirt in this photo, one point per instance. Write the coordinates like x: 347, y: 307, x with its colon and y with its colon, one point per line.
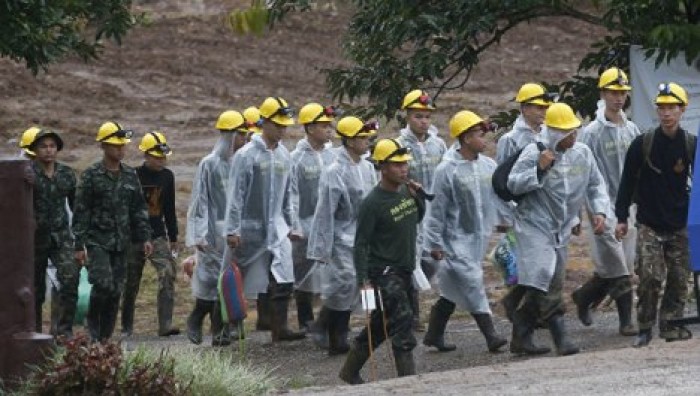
x: 386, y: 232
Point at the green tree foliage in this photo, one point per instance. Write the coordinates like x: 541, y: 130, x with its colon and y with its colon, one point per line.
x: 39, y: 32
x: 397, y: 45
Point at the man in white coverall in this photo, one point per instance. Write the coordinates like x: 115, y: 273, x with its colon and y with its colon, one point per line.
x: 557, y: 182
x: 258, y: 216
x: 457, y: 229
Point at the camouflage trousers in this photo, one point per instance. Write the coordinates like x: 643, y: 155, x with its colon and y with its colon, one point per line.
x: 162, y: 260
x: 106, y: 272
x: 661, y: 257
x: 60, y: 252
x: 395, y: 290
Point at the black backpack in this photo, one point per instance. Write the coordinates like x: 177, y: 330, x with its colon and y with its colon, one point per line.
x: 499, y: 180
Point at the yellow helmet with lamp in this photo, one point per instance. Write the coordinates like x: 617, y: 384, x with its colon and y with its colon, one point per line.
x: 155, y: 144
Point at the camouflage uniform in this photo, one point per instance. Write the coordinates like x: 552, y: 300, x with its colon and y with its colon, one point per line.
x: 110, y: 212
x: 662, y: 257
x: 53, y: 240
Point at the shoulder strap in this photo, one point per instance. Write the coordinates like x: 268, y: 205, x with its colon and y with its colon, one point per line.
x: 690, y: 143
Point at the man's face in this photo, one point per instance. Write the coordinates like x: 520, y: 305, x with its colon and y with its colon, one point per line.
x: 395, y: 172
x: 358, y: 145
x: 614, y: 100
x: 533, y: 113
x: 319, y: 132
x: 567, y: 142
x: 670, y: 115
x: 272, y: 131
x: 475, y: 139
x: 419, y: 121
x: 114, y: 152
x: 154, y: 163
x: 239, y: 140
x: 46, y: 149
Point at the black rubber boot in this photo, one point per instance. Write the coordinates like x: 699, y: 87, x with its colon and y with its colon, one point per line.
x: 439, y: 315
x: 561, y: 341
x: 263, y: 323
x: 416, y: 325
x: 355, y: 359
x: 65, y: 317
x: 278, y: 317
x: 624, y: 312
x: 338, y: 323
x: 219, y: 330
x: 318, y: 329
x: 511, y: 300
x: 643, y: 338
x: 108, y: 317
x: 165, y: 316
x: 405, y: 365
x: 493, y: 340
x: 93, y: 317
x: 589, y: 293
x: 305, y: 308
x: 523, y: 328
x: 196, y: 320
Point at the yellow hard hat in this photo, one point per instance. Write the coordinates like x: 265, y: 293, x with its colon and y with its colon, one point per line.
x: 671, y: 93
x: 154, y: 143
x: 418, y: 100
x: 42, y: 133
x: 465, y: 119
x: 561, y: 116
x: 314, y: 112
x: 253, y: 122
x: 351, y: 127
x: 28, y: 138
x: 112, y: 133
x: 229, y: 121
x: 277, y: 110
x: 614, y: 79
x: 390, y: 150
x: 533, y: 93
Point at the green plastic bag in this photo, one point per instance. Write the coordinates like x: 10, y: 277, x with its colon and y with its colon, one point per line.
x: 84, y: 289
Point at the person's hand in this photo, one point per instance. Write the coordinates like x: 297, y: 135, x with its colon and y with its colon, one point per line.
x: 188, y: 267
x: 621, y: 231
x: 437, y: 254
x: 294, y: 236
x: 502, y: 229
x: 233, y: 241
x: 576, y: 230
x: 546, y: 160
x: 79, y: 256
x: 148, y: 248
x: 598, y: 224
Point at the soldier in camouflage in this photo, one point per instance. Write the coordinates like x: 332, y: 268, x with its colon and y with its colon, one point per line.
x: 158, y: 183
x: 54, y: 192
x: 110, y: 212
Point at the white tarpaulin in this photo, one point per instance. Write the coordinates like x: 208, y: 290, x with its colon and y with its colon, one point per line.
x: 645, y: 79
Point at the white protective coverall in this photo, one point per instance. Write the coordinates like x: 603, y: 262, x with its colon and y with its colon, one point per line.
x: 205, y: 217
x: 307, y: 165
x: 426, y: 156
x: 520, y: 136
x: 342, y: 188
x: 545, y: 216
x: 460, y: 222
x: 259, y: 211
x: 609, y: 143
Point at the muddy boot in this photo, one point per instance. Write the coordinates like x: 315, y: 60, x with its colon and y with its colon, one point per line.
x: 561, y: 341
x: 356, y: 358
x: 318, y: 329
x: 439, y: 315
x: 405, y: 365
x: 338, y: 332
x: 511, y: 300
x: 263, y: 323
x: 643, y: 338
x: 416, y: 325
x: 66, y: 315
x: 278, y: 318
x: 219, y: 329
x: 493, y: 340
x: 305, y: 308
x: 586, y: 295
x: 165, y: 316
x: 196, y: 319
x: 523, y: 329
x: 624, y: 312
x: 93, y: 317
